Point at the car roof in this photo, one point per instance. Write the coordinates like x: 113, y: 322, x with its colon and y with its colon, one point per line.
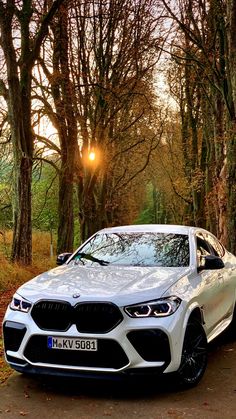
x: 150, y: 228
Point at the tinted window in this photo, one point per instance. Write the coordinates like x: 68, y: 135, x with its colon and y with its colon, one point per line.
x: 135, y: 249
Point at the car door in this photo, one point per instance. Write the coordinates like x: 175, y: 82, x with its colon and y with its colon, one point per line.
x: 228, y: 274
x: 212, y: 287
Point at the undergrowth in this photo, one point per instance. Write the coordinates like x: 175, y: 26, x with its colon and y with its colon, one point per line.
x: 13, y: 274
x: 5, y: 370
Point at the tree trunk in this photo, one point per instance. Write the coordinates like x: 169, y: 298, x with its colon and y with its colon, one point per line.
x: 231, y: 149
x: 22, y: 233
x: 231, y: 191
x: 64, y: 100
x: 89, y: 214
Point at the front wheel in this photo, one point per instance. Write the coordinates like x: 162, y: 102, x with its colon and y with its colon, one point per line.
x: 194, y: 355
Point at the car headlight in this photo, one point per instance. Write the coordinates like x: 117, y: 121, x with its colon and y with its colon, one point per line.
x: 159, y: 308
x: 20, y: 304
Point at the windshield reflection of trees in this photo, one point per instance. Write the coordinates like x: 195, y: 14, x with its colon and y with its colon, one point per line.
x: 135, y: 249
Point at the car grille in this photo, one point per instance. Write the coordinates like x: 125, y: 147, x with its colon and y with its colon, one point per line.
x: 88, y: 317
x: 109, y: 354
x: 96, y: 317
x: 52, y: 315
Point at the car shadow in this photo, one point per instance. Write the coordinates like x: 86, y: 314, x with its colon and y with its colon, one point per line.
x: 226, y: 338
x: 125, y: 388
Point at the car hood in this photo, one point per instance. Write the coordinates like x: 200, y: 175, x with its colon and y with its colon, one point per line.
x: 121, y: 285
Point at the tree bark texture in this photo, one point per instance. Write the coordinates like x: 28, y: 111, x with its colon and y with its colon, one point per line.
x: 231, y: 148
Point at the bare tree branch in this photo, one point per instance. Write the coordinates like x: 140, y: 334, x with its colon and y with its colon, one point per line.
x: 48, y: 161
x: 48, y: 143
x: 43, y: 30
x: 151, y: 149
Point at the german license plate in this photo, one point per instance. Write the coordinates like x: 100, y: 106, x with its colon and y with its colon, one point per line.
x: 74, y: 344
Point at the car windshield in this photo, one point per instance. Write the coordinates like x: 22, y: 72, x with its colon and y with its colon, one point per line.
x: 135, y: 249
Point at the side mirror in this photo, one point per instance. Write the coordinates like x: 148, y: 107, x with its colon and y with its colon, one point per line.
x: 211, y: 262
x: 62, y: 258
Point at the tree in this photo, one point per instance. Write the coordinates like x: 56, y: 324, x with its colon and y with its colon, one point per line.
x: 210, y: 45
x: 63, y: 116
x: 100, y: 98
x: 19, y: 62
x: 114, y: 49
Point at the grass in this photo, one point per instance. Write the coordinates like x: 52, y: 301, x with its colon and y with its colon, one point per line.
x: 12, y: 275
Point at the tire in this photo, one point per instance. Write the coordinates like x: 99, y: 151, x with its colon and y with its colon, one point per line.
x: 194, y: 355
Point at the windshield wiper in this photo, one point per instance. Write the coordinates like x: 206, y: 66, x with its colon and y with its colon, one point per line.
x: 92, y: 258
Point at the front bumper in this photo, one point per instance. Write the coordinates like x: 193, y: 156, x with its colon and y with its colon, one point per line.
x: 135, y: 346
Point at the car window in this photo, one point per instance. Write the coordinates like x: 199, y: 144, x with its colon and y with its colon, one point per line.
x: 135, y: 249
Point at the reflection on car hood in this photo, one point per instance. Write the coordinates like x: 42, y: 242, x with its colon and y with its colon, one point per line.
x: 121, y: 285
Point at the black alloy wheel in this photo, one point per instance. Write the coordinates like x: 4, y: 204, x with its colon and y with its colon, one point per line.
x: 194, y: 355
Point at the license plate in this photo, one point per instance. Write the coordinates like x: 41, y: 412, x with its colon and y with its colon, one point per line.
x: 74, y: 344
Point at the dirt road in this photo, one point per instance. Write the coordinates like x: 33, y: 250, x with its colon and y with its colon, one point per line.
x: 214, y: 397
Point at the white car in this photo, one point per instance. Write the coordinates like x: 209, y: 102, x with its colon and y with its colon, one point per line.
x: 131, y: 300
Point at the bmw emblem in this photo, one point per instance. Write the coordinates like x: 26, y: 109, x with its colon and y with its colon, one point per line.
x: 76, y: 295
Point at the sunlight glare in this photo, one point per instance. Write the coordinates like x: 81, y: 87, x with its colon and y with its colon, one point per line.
x: 92, y: 156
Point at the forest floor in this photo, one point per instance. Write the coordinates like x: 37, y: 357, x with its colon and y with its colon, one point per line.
x: 5, y: 298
